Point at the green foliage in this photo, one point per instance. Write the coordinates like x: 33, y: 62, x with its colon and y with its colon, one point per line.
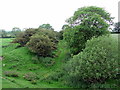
x: 76, y: 37
x: 53, y: 35
x: 97, y: 62
x: 86, y: 23
x: 46, y: 26
x: 10, y: 34
x: 3, y: 33
x: 24, y: 37
x: 22, y: 58
x: 64, y: 27
x: 41, y: 45
x: 15, y: 31
x: 85, y: 13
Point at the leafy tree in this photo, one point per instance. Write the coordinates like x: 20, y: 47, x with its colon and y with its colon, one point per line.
x: 15, y: 31
x: 46, y: 26
x: 84, y: 24
x: 116, y: 27
x: 3, y: 33
x: 85, y: 13
x: 65, y: 26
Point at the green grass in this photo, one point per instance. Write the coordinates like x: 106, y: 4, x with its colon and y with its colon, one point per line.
x: 5, y: 41
x: 20, y: 61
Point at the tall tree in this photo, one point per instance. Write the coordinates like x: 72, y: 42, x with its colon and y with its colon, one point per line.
x: 3, y: 33
x: 84, y: 24
x: 85, y: 13
x: 15, y: 31
x: 46, y: 26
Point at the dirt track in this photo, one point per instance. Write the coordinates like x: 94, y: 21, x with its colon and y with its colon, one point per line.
x: 1, y: 57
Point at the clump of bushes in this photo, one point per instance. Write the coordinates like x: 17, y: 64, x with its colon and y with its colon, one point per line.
x: 39, y: 41
x: 31, y: 76
x: 97, y: 62
x: 24, y: 37
x: 11, y: 74
x: 41, y: 45
x: 53, y: 35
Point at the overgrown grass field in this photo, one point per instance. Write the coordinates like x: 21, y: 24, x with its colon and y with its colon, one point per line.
x: 20, y: 61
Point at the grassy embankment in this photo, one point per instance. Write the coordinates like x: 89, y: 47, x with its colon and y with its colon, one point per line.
x: 20, y: 61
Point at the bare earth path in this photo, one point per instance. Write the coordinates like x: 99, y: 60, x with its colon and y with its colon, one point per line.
x: 1, y: 57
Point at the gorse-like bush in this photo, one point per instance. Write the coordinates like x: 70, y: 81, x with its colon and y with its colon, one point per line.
x: 97, y: 62
x: 41, y: 45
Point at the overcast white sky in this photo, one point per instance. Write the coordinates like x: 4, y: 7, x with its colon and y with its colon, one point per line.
x: 32, y: 13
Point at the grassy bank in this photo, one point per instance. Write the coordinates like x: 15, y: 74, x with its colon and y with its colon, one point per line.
x: 20, y: 61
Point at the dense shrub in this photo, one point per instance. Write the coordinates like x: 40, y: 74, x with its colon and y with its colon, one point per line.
x: 24, y: 37
x: 40, y: 41
x: 97, y: 62
x: 61, y: 34
x: 41, y: 45
x: 53, y: 35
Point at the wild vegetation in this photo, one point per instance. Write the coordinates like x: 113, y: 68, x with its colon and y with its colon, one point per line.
x: 84, y: 54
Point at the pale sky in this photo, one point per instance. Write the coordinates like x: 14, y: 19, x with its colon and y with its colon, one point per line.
x: 32, y: 13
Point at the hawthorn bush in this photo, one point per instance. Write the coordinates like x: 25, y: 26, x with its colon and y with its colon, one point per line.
x: 40, y: 45
x: 96, y: 63
x: 53, y: 35
x: 24, y: 37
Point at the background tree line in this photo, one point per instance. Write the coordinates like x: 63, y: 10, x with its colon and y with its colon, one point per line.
x: 16, y: 31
